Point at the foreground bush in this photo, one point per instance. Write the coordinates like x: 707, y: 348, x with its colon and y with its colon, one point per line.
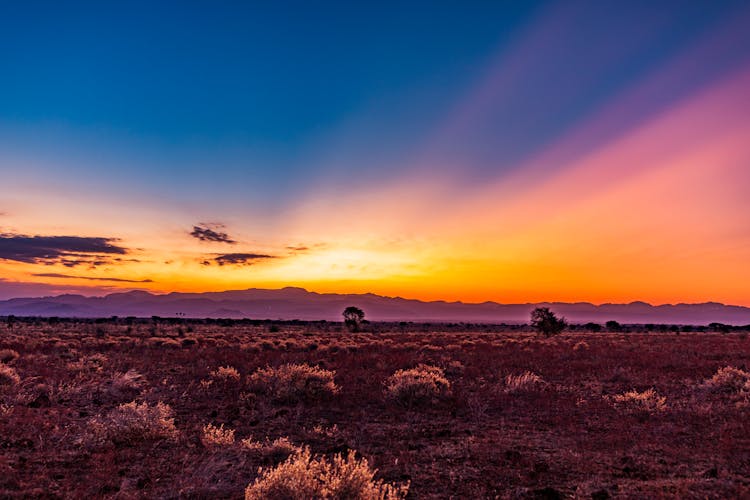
x: 135, y: 422
x: 417, y: 385
x: 303, y: 476
x: 291, y: 383
x: 8, y: 376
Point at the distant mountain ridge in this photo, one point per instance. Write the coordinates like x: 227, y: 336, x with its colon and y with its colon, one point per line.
x: 298, y: 303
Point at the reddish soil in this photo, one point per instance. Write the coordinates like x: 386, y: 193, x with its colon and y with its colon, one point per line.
x: 563, y: 438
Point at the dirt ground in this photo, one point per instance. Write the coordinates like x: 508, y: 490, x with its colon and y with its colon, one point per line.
x: 573, y: 432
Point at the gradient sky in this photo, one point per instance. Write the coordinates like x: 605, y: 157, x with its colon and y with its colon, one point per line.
x: 506, y: 151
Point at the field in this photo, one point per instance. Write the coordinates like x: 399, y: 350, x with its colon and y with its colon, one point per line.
x: 486, y: 414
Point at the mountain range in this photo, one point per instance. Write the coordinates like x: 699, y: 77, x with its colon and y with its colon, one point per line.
x: 297, y: 303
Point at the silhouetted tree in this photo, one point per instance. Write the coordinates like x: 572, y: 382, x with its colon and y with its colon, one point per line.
x: 545, y: 322
x: 353, y: 317
x: 593, y: 327
x: 613, y: 326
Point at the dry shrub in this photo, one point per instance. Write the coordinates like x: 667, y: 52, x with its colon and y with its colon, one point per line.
x: 8, y: 355
x: 525, y: 382
x: 135, y: 422
x: 8, y: 376
x: 294, y: 382
x: 647, y: 401
x: 271, y: 451
x: 217, y: 436
x: 728, y: 380
x: 225, y: 375
x: 127, y: 384
x: 305, y: 476
x: 581, y: 346
x: 417, y: 385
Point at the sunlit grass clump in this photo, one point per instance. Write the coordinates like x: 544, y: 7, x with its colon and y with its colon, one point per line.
x: 303, y: 476
x: 135, y: 422
x: 418, y: 385
x: 292, y: 383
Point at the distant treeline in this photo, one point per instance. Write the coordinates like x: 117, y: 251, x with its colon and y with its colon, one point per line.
x: 371, y: 327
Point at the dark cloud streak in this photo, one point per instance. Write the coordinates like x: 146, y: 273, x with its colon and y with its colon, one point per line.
x: 69, y: 251
x: 237, y: 259
x: 92, y: 278
x: 210, y: 232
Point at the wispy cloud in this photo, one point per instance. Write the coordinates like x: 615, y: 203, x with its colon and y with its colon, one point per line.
x: 211, y: 232
x: 92, y: 278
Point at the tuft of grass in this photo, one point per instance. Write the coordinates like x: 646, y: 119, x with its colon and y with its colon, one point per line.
x: 8, y: 375
x: 648, y: 401
x: 8, y: 355
x: 305, y: 476
x: 291, y: 383
x: 213, y: 436
x: 225, y: 375
x: 417, y: 386
x: 134, y: 422
x: 271, y: 451
x: 527, y: 381
x: 728, y: 380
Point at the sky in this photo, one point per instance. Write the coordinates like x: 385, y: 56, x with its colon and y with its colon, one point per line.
x: 477, y: 151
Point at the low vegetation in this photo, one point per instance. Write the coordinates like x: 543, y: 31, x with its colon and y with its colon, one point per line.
x: 304, y: 476
x: 416, y: 386
x: 221, y: 410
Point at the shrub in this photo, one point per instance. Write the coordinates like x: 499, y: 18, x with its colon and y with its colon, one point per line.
x: 294, y: 382
x: 8, y: 355
x: 417, y: 385
x: 217, y: 436
x: 272, y: 451
x: 527, y: 381
x: 135, y: 422
x: 226, y: 374
x: 127, y: 384
x: 305, y: 476
x: 728, y: 380
x: 647, y: 401
x: 8, y: 376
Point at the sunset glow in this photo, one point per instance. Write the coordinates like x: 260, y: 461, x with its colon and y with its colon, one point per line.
x: 508, y: 177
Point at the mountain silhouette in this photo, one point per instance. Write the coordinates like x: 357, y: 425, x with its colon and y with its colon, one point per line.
x: 298, y: 303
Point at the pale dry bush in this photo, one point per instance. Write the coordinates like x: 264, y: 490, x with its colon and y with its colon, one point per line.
x: 134, y: 422
x: 225, y: 375
x: 581, y: 346
x: 294, y: 382
x: 728, y: 380
x: 648, y: 401
x: 8, y: 355
x: 8, y: 375
x: 216, y: 436
x: 417, y: 385
x: 527, y: 381
x: 126, y: 384
x: 271, y: 451
x: 303, y: 476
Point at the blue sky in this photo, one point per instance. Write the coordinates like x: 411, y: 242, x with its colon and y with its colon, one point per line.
x: 249, y: 115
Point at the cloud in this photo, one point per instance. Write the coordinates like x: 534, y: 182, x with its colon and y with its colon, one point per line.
x: 92, y: 278
x: 212, y: 233
x: 237, y: 259
x: 69, y: 251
